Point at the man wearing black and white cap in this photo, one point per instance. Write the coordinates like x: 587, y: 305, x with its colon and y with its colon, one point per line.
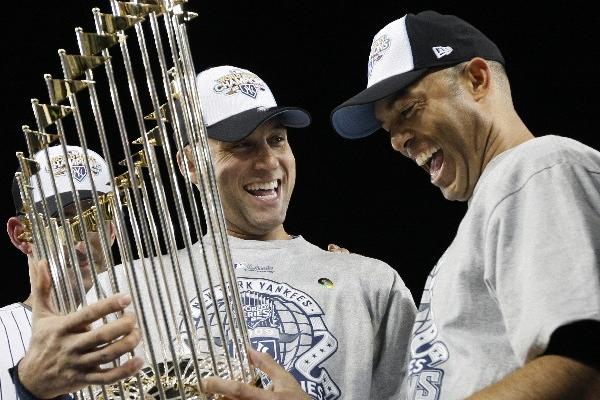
x: 58, y: 354
x: 338, y: 322
x: 512, y: 308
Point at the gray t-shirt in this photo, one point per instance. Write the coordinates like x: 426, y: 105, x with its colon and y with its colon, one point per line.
x: 525, y: 261
x: 340, y: 323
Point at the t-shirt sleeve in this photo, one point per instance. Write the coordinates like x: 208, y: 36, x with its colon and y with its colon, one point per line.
x: 542, y: 255
x: 391, y: 352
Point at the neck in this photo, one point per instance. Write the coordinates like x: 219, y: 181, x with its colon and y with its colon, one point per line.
x: 507, y: 134
x: 278, y: 233
x: 31, y: 264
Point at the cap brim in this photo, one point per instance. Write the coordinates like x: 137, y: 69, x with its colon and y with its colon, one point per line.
x: 243, y: 124
x: 66, y: 198
x: 355, y: 118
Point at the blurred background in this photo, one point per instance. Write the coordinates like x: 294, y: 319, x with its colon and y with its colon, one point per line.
x: 358, y: 194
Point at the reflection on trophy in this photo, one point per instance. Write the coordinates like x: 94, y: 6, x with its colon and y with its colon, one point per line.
x: 131, y: 96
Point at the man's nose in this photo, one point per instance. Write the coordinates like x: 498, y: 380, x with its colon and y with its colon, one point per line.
x: 265, y: 158
x: 400, y: 140
x: 80, y: 246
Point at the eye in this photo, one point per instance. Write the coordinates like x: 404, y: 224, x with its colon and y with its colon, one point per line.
x: 407, y: 110
x: 277, y: 139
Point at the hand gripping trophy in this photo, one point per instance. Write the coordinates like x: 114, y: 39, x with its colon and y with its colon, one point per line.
x: 136, y: 99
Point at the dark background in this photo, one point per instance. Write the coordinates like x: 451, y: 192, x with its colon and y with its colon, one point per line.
x: 358, y: 194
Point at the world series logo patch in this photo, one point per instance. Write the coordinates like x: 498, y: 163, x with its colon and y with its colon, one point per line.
x: 77, y: 162
x: 242, y: 82
x: 286, y: 323
x: 378, y: 49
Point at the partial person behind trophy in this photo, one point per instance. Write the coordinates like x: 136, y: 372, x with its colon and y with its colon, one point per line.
x: 44, y: 353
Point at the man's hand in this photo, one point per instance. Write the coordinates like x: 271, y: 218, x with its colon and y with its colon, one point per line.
x: 64, y: 355
x: 334, y: 248
x: 284, y: 386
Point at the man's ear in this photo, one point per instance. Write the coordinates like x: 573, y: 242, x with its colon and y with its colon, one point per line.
x: 478, y: 75
x: 187, y: 162
x: 14, y: 228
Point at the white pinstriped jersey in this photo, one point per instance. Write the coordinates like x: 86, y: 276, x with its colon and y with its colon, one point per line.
x: 15, y: 332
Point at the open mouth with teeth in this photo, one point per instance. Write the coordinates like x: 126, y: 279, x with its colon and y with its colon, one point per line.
x: 264, y: 190
x: 431, y: 161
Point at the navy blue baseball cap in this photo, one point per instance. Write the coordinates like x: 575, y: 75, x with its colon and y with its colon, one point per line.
x: 403, y: 52
x: 236, y: 101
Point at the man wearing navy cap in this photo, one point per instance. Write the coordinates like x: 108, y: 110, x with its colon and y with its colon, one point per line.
x: 339, y: 323
x: 512, y: 308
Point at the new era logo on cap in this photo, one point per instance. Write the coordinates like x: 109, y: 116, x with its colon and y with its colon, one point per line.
x: 402, y: 53
x: 441, y: 51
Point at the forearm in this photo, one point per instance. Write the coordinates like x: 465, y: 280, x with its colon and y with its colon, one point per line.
x: 548, y: 377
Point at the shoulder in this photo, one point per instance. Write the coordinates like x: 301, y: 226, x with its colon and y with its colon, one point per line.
x: 549, y: 150
x: 15, y: 323
x: 371, y: 272
x: 11, y: 308
x: 547, y: 160
x: 351, y: 260
x: 546, y: 152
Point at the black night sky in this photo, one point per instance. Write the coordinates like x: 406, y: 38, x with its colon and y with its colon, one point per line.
x: 358, y: 194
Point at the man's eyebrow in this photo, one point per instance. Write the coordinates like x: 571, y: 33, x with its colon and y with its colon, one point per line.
x: 227, y: 145
x: 389, y: 101
x: 395, y: 96
x: 280, y: 130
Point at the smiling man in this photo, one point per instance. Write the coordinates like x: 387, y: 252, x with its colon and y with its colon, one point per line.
x: 256, y: 195
x: 338, y: 322
x: 512, y: 308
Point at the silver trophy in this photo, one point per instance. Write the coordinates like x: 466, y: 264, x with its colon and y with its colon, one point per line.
x: 132, y: 90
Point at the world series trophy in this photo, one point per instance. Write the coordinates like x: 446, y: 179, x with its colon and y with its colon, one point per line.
x: 137, y: 63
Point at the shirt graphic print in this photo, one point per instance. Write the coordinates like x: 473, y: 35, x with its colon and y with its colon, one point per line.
x: 283, y: 321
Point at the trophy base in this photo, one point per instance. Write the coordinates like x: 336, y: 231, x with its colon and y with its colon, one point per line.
x: 146, y: 386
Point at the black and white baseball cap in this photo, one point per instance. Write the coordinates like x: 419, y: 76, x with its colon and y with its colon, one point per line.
x: 401, y: 53
x: 58, y: 167
x: 236, y: 101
